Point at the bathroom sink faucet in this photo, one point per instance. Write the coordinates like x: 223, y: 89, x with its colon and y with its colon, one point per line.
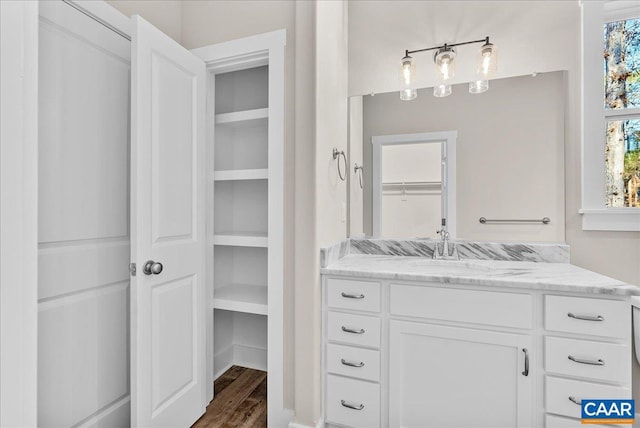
x: 448, y: 251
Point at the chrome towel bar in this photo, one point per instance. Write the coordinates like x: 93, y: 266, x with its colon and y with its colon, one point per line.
x: 544, y: 220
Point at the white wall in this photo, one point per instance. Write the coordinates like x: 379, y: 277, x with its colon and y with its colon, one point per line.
x: 163, y: 14
x: 355, y: 157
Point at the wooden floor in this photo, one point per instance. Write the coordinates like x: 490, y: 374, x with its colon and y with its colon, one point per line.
x: 240, y: 400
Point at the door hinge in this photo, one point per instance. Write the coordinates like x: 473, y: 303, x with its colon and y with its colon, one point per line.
x: 132, y: 269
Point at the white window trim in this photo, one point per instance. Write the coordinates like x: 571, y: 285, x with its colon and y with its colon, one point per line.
x: 595, y: 216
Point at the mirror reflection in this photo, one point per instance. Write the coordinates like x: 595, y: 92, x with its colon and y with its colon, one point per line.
x: 508, y: 162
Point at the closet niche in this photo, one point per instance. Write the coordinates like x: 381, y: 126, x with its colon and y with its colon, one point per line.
x: 245, y: 203
x: 240, y: 240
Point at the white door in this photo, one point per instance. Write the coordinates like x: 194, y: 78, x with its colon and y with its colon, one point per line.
x: 168, y: 380
x: 458, y: 377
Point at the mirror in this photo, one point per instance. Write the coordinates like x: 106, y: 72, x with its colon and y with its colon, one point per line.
x: 508, y: 162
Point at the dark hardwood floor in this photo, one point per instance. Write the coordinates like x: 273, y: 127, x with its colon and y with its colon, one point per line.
x: 240, y: 400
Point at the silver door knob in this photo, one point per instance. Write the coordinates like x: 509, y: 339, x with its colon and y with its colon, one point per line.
x: 152, y: 268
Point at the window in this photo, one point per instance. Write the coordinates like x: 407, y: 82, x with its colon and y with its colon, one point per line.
x: 621, y: 100
x: 611, y: 116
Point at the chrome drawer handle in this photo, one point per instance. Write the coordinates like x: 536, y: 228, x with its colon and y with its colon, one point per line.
x: 353, y: 296
x: 585, y: 317
x: 350, y: 364
x: 351, y: 330
x: 352, y: 406
x: 574, y: 400
x: 598, y: 362
x: 526, y: 362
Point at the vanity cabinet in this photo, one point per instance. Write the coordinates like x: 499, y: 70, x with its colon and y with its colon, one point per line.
x: 429, y: 354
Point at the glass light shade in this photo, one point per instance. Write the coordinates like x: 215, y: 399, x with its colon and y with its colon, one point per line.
x: 442, y: 90
x: 407, y: 79
x: 478, y: 86
x: 407, y: 72
x: 445, y: 61
x: 487, y: 61
x: 408, y: 94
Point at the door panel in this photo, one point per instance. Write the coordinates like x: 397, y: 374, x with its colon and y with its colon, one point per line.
x: 168, y: 384
x: 174, y: 143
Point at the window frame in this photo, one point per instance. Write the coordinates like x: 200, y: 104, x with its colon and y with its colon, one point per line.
x: 595, y: 214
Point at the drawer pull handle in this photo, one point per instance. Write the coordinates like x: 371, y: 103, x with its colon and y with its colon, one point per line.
x: 585, y: 317
x: 352, y: 296
x: 352, y: 330
x: 526, y: 362
x: 350, y: 364
x: 598, y: 362
x: 575, y: 401
x: 352, y: 406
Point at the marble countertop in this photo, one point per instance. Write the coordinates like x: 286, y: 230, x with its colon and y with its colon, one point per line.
x: 512, y: 274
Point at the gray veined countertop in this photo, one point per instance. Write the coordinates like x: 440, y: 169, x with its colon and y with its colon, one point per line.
x: 513, y: 274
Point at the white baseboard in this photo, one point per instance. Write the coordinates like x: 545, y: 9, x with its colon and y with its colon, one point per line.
x: 319, y: 424
x: 250, y: 357
x: 239, y: 355
x: 115, y: 414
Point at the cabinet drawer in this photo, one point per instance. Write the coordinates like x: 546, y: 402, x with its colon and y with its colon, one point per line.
x: 364, y: 396
x: 609, y: 361
x: 353, y: 329
x: 609, y: 318
x: 350, y: 294
x: 478, y: 307
x: 552, y: 421
x: 355, y: 362
x: 558, y: 391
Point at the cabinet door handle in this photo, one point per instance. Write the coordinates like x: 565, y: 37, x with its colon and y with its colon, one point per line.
x: 352, y: 296
x: 585, y: 317
x: 597, y: 362
x: 351, y: 364
x: 526, y: 362
x: 574, y: 400
x: 352, y: 330
x: 352, y: 406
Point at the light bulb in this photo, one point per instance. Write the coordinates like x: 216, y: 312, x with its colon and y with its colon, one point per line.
x: 444, y: 59
x: 487, y: 60
x: 406, y: 72
x: 408, y: 94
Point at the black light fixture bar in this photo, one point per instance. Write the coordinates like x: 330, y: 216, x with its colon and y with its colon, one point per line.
x: 447, y: 45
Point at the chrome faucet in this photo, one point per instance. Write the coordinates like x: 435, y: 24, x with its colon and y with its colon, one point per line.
x: 448, y: 251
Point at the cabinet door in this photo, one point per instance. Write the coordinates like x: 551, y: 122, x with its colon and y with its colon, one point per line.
x: 458, y: 377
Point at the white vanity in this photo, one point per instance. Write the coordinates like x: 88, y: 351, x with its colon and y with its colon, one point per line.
x: 415, y: 342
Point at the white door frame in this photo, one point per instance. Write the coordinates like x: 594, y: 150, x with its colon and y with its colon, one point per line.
x: 448, y: 141
x: 18, y: 213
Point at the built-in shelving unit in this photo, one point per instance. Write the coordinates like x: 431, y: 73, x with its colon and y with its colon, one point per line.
x: 240, y: 188
x: 245, y: 223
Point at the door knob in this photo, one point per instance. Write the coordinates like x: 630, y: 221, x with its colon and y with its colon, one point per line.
x: 152, y: 268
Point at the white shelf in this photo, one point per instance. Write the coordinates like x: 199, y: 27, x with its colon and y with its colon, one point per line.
x: 251, y: 299
x: 241, y: 239
x: 239, y: 119
x: 241, y: 174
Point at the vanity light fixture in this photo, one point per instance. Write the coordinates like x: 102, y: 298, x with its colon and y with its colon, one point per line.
x: 444, y: 59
